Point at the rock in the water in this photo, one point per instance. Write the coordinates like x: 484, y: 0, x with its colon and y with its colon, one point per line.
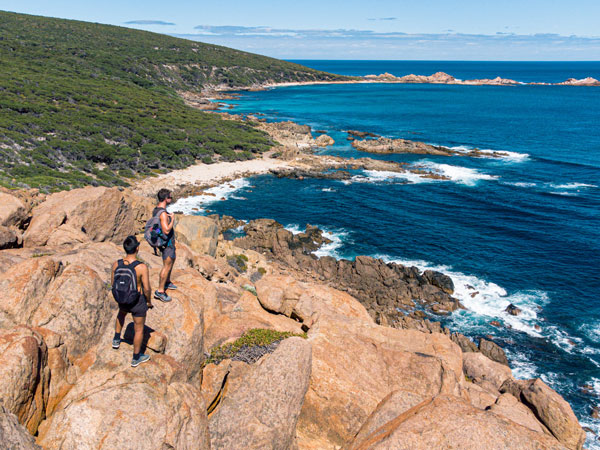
x: 513, y: 310
x: 450, y: 422
x: 262, y: 412
x: 13, y: 435
x: 554, y: 412
x: 198, y: 232
x: 493, y: 351
x: 324, y: 141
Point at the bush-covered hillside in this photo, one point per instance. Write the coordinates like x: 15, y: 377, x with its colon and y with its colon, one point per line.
x: 83, y: 103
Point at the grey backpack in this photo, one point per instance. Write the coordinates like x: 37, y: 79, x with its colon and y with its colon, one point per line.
x: 153, y: 231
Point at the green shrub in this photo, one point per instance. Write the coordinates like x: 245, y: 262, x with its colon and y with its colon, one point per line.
x: 251, y: 338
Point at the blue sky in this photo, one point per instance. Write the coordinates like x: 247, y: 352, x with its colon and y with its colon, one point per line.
x: 352, y: 29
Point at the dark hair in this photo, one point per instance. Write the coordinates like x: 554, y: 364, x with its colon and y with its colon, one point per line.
x: 130, y: 245
x: 163, y: 194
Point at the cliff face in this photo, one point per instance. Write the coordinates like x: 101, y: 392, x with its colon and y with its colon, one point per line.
x: 344, y: 381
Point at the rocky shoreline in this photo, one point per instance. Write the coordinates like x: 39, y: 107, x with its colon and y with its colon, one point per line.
x: 222, y: 92
x: 357, y: 374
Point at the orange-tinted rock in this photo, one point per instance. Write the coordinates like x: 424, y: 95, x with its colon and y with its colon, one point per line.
x: 24, y: 375
x: 450, y: 422
x: 116, y: 406
x: 555, y: 413
x: 263, y: 411
x: 103, y: 214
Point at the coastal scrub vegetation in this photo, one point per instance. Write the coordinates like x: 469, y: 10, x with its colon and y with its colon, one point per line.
x: 90, y: 104
x: 251, y: 338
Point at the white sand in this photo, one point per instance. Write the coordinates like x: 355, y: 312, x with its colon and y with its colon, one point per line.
x: 209, y: 174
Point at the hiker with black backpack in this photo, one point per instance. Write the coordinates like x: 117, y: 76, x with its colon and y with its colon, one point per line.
x: 160, y: 234
x: 131, y: 290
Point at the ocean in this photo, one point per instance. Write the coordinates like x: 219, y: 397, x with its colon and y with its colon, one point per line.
x: 523, y: 229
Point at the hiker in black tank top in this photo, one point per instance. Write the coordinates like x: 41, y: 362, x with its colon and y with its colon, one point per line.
x: 130, y: 270
x: 167, y: 223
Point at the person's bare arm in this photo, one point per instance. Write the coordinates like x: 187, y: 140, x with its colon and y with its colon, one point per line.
x: 112, y: 273
x: 145, y: 273
x: 166, y: 222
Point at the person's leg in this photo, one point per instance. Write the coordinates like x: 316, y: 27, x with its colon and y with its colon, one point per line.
x: 119, y: 322
x: 165, y: 273
x: 138, y: 327
x: 116, y: 343
x: 168, y: 281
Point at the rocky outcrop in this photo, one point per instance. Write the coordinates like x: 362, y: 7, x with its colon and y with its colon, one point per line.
x: 588, y: 81
x: 555, y: 413
x: 71, y: 301
x: 388, y: 145
x: 262, y: 412
x: 13, y: 211
x: 198, y: 232
x: 342, y: 332
x: 13, y: 435
x: 480, y: 368
x: 324, y: 141
x: 353, y: 383
x: 493, y: 351
x: 9, y: 238
x: 384, y: 288
x: 113, y: 406
x: 102, y: 214
x: 24, y: 375
x: 450, y: 422
x: 510, y: 407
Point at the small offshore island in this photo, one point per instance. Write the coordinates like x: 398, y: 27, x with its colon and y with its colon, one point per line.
x: 265, y: 345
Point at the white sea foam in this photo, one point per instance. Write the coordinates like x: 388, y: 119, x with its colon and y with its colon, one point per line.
x: 197, y: 204
x: 495, y: 154
x: 328, y: 190
x: 337, y: 238
x: 564, y: 194
x: 384, y: 176
x: 294, y: 228
x: 487, y: 300
x: 522, y: 184
x: 457, y: 174
x: 573, y: 186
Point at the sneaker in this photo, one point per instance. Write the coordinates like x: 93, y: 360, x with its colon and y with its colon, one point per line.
x: 116, y: 343
x: 162, y: 296
x: 141, y: 359
x: 171, y: 286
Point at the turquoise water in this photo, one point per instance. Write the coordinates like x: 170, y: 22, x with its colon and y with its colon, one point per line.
x: 522, y: 230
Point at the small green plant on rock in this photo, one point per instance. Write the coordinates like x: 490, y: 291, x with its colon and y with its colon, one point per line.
x: 238, y: 262
x: 251, y: 338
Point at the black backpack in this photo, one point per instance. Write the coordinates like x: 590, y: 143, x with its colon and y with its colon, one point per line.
x: 124, y: 288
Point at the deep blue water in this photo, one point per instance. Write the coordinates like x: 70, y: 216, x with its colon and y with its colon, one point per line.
x: 523, y: 229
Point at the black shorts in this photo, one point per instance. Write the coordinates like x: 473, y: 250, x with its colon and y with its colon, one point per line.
x: 168, y: 252
x: 139, y: 309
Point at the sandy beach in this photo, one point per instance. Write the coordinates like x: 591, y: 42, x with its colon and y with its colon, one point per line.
x: 206, y: 175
